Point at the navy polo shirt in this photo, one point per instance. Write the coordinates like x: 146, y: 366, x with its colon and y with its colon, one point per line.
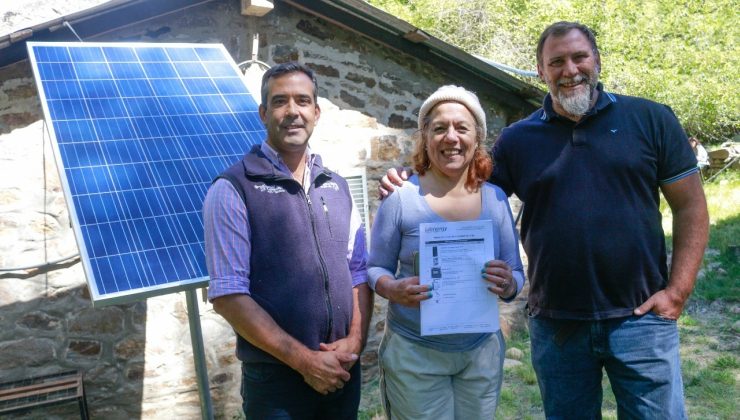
x: 591, y: 226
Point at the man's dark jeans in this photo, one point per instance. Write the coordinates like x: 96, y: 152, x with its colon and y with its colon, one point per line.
x: 275, y: 391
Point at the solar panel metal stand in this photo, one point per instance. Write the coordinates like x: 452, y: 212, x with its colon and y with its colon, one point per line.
x: 43, y: 391
x: 199, y: 355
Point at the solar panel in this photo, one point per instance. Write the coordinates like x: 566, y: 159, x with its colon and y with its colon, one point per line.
x: 139, y: 132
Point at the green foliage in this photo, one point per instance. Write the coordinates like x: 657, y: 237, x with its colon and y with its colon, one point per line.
x: 727, y: 361
x: 687, y: 320
x: 520, y: 395
x: 370, y: 403
x: 683, y: 53
x: 722, y: 267
x: 711, y: 392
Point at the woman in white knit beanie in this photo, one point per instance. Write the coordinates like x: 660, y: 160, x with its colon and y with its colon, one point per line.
x: 449, y: 376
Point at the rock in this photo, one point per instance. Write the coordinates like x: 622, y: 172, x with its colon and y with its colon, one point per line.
x: 711, y: 252
x: 505, y: 326
x: 101, y: 374
x: 385, y: 148
x: 135, y: 371
x: 93, y: 322
x: 130, y: 348
x: 38, y: 320
x: 26, y: 352
x: 514, y: 353
x: 80, y: 350
x: 221, y: 378
x: 138, y: 316
x: 716, y: 306
x: 511, y: 363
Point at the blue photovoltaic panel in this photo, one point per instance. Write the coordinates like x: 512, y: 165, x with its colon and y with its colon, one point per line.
x: 140, y: 131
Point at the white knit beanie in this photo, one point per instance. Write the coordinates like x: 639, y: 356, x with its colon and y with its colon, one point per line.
x: 452, y: 93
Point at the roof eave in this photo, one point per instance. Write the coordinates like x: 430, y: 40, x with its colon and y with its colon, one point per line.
x: 366, y: 20
x: 88, y: 23
x: 353, y: 15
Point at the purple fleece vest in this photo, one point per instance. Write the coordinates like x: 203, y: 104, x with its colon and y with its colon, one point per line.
x: 299, y: 271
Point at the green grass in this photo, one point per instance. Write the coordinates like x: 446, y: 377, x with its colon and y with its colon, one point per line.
x: 710, y: 370
x: 711, y: 391
x: 520, y: 395
x: 721, y: 266
x: 723, y: 200
x: 726, y: 362
x: 370, y: 405
x: 687, y: 321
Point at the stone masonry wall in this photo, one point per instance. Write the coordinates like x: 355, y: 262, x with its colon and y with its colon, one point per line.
x: 137, y: 358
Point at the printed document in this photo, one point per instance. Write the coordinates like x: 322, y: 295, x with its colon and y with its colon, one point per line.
x: 451, y: 256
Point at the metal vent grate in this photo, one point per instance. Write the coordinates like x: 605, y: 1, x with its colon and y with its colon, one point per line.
x: 357, y: 181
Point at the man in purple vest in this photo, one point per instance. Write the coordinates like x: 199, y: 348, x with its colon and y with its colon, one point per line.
x: 285, y: 249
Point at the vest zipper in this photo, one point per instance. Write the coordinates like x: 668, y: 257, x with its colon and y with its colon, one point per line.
x: 327, y: 295
x: 326, y: 213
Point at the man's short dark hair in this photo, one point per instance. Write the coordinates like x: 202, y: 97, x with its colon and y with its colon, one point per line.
x: 559, y: 29
x: 285, y: 68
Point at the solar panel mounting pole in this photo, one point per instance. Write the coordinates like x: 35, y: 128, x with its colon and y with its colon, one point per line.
x: 199, y: 356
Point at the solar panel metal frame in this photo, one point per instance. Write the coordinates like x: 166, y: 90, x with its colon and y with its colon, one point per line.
x: 254, y: 135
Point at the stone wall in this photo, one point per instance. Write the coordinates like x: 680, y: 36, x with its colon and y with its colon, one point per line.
x: 137, y: 358
x: 47, y: 324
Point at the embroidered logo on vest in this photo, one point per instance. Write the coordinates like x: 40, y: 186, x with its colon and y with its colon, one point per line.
x: 330, y: 184
x: 270, y: 189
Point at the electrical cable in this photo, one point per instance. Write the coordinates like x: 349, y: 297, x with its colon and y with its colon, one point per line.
x: 40, y: 266
x: 504, y: 67
x: 69, y: 26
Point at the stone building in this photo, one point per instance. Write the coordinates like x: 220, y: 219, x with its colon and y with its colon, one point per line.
x: 374, y: 71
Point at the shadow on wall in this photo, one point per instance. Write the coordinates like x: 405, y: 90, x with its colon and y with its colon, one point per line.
x: 61, y: 332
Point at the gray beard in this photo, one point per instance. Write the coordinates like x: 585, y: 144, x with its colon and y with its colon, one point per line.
x: 577, y: 105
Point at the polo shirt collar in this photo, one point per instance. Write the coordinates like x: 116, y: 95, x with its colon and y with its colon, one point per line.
x: 604, y: 100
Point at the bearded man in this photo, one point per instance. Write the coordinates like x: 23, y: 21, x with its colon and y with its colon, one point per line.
x: 588, y: 167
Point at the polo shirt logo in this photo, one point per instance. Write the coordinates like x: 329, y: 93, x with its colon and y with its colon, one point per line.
x: 270, y: 189
x: 613, y: 130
